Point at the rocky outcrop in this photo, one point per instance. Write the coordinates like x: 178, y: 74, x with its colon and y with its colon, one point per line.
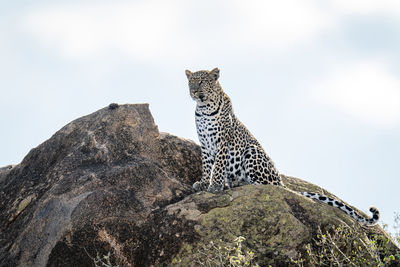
x: 103, y: 173
x: 276, y: 224
x: 111, y: 183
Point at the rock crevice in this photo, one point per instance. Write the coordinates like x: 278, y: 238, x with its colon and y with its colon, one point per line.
x: 111, y: 182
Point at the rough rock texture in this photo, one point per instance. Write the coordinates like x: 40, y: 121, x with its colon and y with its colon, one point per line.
x: 103, y: 173
x: 110, y: 182
x: 276, y: 223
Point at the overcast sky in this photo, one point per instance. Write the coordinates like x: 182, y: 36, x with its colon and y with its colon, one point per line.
x: 317, y: 82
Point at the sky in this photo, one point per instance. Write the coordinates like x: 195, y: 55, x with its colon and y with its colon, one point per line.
x: 317, y: 82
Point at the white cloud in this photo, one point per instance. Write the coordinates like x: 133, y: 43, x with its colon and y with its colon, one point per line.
x: 367, y: 7
x: 178, y: 32
x: 154, y: 30
x: 277, y: 23
x: 364, y: 90
x: 141, y: 29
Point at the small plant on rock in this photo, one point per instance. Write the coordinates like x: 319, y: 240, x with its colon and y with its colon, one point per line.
x: 217, y: 254
x: 343, y: 246
x: 102, y: 261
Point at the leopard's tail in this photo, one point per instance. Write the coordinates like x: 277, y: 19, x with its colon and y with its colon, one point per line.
x: 335, y: 203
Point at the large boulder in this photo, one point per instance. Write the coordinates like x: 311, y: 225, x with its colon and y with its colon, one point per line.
x: 110, y: 184
x: 278, y: 227
x: 102, y: 173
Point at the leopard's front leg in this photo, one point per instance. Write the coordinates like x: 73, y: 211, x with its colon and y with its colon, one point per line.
x: 206, y: 162
x: 218, y: 171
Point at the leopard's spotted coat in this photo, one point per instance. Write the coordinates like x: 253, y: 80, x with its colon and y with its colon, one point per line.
x: 230, y: 153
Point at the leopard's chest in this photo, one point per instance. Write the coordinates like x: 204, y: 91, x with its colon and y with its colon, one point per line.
x: 209, y: 132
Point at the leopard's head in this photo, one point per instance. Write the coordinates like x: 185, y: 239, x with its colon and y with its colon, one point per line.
x: 203, y: 85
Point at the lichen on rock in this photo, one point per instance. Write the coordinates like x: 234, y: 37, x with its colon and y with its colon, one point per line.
x: 110, y: 183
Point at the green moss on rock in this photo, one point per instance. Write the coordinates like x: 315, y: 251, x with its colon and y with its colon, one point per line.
x: 275, y: 222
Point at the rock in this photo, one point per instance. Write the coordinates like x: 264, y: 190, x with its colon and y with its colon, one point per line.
x: 111, y: 183
x: 276, y: 224
x: 113, y: 106
x: 94, y: 182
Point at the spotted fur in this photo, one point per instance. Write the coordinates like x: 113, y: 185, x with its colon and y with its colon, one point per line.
x: 231, y: 155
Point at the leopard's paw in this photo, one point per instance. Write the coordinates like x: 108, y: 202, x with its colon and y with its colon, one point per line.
x: 199, y: 186
x: 215, y: 188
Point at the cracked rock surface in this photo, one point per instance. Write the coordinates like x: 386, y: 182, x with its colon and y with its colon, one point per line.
x: 111, y: 182
x: 91, y: 187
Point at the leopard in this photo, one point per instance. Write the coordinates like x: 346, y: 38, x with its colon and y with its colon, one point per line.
x: 231, y: 156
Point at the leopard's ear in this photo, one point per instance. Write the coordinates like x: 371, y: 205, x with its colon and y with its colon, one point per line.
x: 214, y: 74
x: 188, y: 73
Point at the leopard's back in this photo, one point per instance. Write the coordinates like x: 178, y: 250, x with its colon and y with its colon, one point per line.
x: 230, y: 153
